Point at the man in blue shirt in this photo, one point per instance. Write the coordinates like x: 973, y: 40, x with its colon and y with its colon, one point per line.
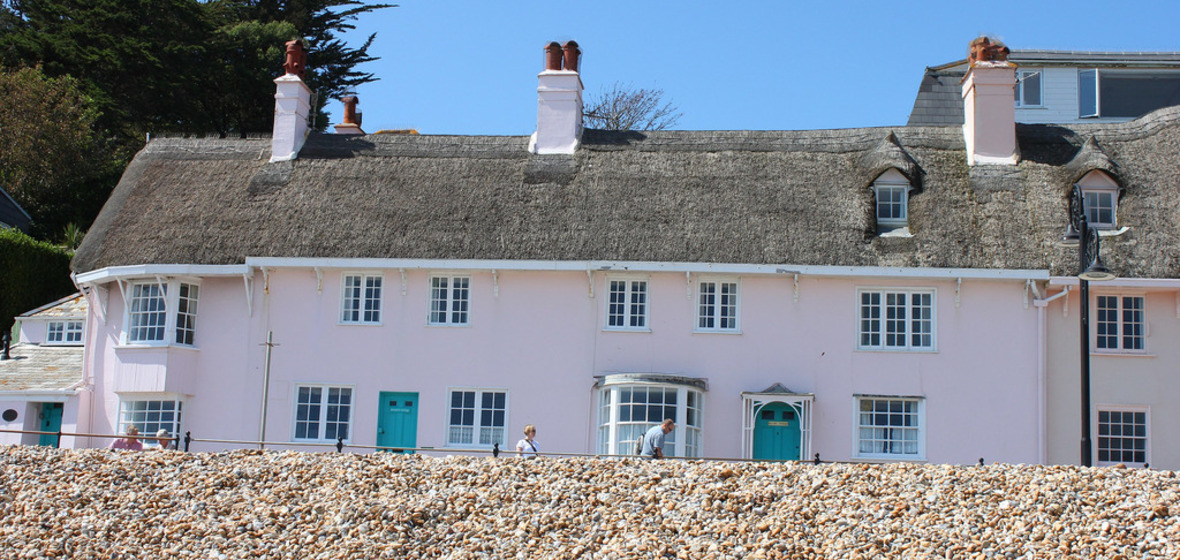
x: 653, y: 440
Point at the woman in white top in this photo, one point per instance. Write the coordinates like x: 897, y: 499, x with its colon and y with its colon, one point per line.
x: 527, y: 447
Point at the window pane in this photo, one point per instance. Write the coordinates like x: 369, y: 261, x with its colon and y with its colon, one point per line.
x: 1087, y: 93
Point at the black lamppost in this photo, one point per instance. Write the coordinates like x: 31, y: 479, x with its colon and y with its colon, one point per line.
x: 1090, y: 268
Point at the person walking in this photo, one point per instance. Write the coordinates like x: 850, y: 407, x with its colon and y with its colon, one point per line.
x: 527, y: 447
x: 653, y: 440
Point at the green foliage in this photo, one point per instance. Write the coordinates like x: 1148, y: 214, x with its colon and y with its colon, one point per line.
x: 185, y: 65
x: 71, y: 237
x: 51, y: 160
x: 32, y: 273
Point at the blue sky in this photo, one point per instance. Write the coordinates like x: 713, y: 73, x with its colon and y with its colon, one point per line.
x: 470, y: 67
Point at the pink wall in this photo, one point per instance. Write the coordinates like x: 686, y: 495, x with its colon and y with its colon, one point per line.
x: 542, y: 340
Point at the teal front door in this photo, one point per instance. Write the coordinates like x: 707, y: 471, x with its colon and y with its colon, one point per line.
x: 397, y: 423
x: 50, y: 422
x: 777, y: 432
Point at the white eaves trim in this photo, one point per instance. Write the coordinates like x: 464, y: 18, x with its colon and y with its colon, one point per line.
x: 642, y: 266
x: 39, y: 395
x: 124, y: 272
x: 1141, y: 283
x: 112, y: 273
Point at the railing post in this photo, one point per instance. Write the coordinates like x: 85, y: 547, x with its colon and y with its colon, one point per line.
x: 817, y: 461
x: 188, y: 438
x: 58, y: 444
x: 339, y: 444
x: 495, y: 450
x: 981, y: 461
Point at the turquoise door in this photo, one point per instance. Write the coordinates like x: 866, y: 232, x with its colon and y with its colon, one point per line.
x: 777, y: 433
x: 50, y: 422
x: 397, y: 423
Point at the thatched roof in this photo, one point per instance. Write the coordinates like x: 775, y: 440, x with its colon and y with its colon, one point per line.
x: 756, y: 197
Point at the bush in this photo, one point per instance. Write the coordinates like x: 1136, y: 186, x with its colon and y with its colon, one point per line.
x: 32, y: 273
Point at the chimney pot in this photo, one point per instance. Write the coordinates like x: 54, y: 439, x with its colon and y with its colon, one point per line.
x: 296, y: 59
x: 553, y: 56
x: 571, y: 56
x: 350, y: 115
x: 983, y: 49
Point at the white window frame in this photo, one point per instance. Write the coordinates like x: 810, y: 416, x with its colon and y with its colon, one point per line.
x: 68, y: 332
x: 716, y: 313
x: 882, y: 320
x: 477, y: 427
x: 1120, y: 323
x: 1101, y: 440
x: 918, y: 443
x: 626, y: 308
x: 170, y: 308
x: 1021, y: 76
x: 1097, y: 184
x: 617, y: 436
x: 322, y: 421
x: 450, y: 304
x: 187, y: 296
x: 892, y: 181
x: 147, y: 412
x: 356, y: 304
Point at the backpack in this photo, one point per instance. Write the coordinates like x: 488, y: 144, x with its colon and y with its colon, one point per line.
x: 639, y: 445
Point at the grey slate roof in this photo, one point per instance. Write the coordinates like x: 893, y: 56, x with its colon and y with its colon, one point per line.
x: 11, y: 214
x: 755, y: 197
x: 74, y: 305
x: 940, y: 99
x: 41, y: 368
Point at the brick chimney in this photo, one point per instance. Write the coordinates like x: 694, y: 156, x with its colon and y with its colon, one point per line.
x: 352, y: 119
x: 989, y: 112
x: 292, y: 106
x: 559, y: 102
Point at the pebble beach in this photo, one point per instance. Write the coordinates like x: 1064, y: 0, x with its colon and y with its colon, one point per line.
x: 103, y: 504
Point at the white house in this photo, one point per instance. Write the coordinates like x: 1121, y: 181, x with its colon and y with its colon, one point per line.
x: 863, y: 294
x: 1062, y: 87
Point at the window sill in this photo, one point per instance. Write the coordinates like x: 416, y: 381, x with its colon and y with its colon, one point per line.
x: 627, y: 330
x: 717, y: 331
x: 61, y: 344
x: 900, y: 350
x: 134, y: 346
x: 448, y: 325
x: 903, y: 232
x: 1120, y: 354
x: 883, y: 460
x: 359, y: 324
x: 1108, y: 231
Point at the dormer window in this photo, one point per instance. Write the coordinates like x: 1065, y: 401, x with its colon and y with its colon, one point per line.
x: 892, y: 191
x: 1101, y: 200
x: 1028, y: 88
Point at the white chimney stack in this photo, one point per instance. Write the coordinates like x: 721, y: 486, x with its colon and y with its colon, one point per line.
x: 292, y: 106
x: 989, y: 105
x: 559, y: 102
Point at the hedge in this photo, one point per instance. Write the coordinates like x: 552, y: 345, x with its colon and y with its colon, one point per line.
x: 32, y: 273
